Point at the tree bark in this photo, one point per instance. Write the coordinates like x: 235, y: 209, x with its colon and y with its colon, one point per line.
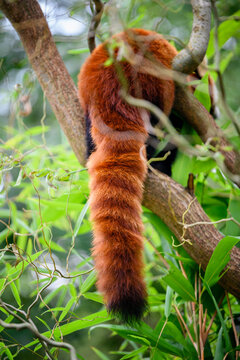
x: 162, y: 194
x: 169, y: 200
x: 188, y: 59
x: 28, y: 20
x: 199, y: 118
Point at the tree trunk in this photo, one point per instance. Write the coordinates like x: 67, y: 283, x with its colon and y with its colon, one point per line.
x: 28, y: 20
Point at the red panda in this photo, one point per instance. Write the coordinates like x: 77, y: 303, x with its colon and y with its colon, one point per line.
x: 116, y: 135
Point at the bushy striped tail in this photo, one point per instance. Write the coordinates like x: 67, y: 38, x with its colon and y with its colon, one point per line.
x: 117, y: 172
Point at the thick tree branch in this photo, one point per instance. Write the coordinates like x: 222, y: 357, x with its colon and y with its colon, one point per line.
x: 199, y: 118
x: 189, y: 58
x: 28, y: 20
x: 169, y: 200
x: 186, y: 104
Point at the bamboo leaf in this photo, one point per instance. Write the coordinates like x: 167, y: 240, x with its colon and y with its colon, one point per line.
x: 219, y: 259
x: 180, y: 284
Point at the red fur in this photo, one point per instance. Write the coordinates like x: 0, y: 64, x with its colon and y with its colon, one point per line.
x: 117, y: 168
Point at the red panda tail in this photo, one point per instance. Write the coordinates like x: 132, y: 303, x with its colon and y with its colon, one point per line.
x: 117, y: 170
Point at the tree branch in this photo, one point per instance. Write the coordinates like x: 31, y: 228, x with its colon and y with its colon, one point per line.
x: 28, y: 20
x: 186, y: 104
x: 189, y: 58
x: 99, y: 7
x: 28, y: 324
x: 199, y: 118
x: 170, y: 201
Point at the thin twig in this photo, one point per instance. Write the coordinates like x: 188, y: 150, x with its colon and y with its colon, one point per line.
x: 158, y: 253
x: 159, y: 336
x: 186, y: 327
x: 204, y: 327
x: 201, y: 331
x: 99, y: 6
x: 217, y: 66
x: 209, y: 222
x: 213, y: 317
x: 38, y: 295
x: 233, y: 324
x: 28, y: 324
x: 193, y: 306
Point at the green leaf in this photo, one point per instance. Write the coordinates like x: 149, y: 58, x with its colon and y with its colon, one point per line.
x: 226, y: 30
x: 22, y: 241
x: 44, y: 322
x: 216, y: 209
x: 15, y: 293
x: 19, y: 178
x: 180, y: 284
x: 80, y: 219
x: 168, y: 301
x: 67, y: 308
x: 84, y: 262
x: 136, y: 21
x: 156, y: 354
x: 38, y: 347
x: 94, y: 297
x: 73, y: 290
x: 53, y: 213
x: 54, y: 309
x: 182, y: 162
x: 225, y: 61
x: 36, y: 130
x: 51, y: 295
x: 202, y: 93
x: 4, y: 349
x: 169, y: 331
x: 100, y: 354
x: 75, y: 201
x: 219, y: 353
x: 78, y: 51
x: 203, y: 165
x: 146, y: 337
x: 156, y: 300
x: 23, y: 225
x: 133, y: 353
x: 159, y: 225
x: 226, y: 336
x: 108, y: 62
x: 23, y: 264
x: 140, y: 339
x: 233, y: 209
x: 2, y: 283
x: 51, y: 244
x: 13, y: 141
x: 4, y: 234
x: 89, y: 282
x: 87, y: 321
x: 219, y: 259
